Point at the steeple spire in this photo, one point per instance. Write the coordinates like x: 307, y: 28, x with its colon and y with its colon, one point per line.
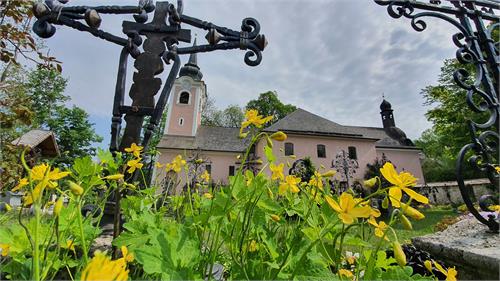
x: 191, y: 68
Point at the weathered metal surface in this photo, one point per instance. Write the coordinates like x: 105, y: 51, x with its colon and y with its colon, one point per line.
x: 475, y: 21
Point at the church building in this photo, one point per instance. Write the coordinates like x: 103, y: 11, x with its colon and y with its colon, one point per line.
x: 309, y: 135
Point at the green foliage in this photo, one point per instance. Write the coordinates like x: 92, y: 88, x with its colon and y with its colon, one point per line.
x: 449, y: 115
x: 269, y: 104
x: 231, y: 116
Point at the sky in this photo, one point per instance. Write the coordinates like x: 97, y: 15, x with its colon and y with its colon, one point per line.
x: 334, y: 58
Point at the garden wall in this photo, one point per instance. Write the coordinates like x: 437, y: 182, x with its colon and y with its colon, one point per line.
x: 447, y: 192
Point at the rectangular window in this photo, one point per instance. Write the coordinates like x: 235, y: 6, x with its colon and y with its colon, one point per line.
x: 352, y: 153
x: 321, y: 149
x: 208, y: 168
x: 231, y: 170
x: 288, y: 148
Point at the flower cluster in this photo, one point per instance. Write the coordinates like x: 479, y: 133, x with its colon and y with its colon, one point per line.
x: 135, y: 163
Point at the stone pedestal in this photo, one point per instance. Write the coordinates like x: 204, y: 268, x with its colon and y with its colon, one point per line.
x: 467, y: 245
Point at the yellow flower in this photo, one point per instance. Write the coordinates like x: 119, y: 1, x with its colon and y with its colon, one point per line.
x: 380, y: 228
x: 275, y: 218
x: 497, y: 169
x: 58, y: 206
x: 38, y: 173
x: 411, y: 212
x: 345, y: 273
x: 290, y: 183
x: 102, y: 267
x: 22, y: 183
x: 277, y: 171
x: 401, y: 182
x: 4, y: 249
x: 252, y: 117
x: 134, y: 149
x: 205, y: 176
x: 253, y: 246
x: 69, y: 245
x: 134, y: 164
x: 451, y: 273
x: 8, y: 208
x: 316, y: 180
x: 279, y: 136
x: 398, y: 253
x: 208, y: 195
x: 158, y: 165
x: 494, y: 208
x: 114, y: 177
x: 126, y: 256
x: 176, y: 164
x: 347, y: 209
x: 370, y: 183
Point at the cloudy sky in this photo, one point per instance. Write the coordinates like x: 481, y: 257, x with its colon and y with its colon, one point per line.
x: 334, y: 58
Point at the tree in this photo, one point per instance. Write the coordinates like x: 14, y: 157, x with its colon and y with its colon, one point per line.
x: 449, y: 133
x: 74, y: 132
x: 232, y: 116
x: 269, y: 104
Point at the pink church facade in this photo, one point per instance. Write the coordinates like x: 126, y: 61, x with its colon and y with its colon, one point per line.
x: 309, y: 135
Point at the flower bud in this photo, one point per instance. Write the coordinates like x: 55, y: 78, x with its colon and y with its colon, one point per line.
x: 208, y: 195
x: 279, y: 136
x: 75, y: 188
x: 406, y: 223
x: 411, y: 212
x: 329, y: 174
x: 7, y: 207
x: 243, y: 135
x: 58, y: 206
x: 270, y: 193
x: 399, y: 255
x: 385, y: 203
x: 275, y: 218
x: 269, y: 142
x: 198, y: 161
x: 428, y: 265
x: 114, y: 177
x: 370, y: 183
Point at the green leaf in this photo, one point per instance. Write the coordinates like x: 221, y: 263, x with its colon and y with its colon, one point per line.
x: 268, y: 151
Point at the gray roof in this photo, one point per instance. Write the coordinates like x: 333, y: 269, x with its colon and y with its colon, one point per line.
x: 299, y: 122
x: 208, y: 138
x: 43, y: 139
x: 304, y: 122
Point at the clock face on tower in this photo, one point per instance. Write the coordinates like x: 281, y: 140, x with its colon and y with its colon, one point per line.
x: 186, y: 85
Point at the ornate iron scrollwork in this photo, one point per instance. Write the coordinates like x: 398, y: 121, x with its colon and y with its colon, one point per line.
x: 477, y: 47
x: 160, y: 47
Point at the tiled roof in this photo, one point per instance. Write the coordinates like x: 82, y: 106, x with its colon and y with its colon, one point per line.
x: 300, y: 122
x: 208, y: 138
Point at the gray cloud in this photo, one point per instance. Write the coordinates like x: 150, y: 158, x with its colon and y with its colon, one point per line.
x: 334, y: 58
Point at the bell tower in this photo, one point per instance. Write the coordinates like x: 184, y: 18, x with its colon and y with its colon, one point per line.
x: 187, y: 99
x: 387, y: 115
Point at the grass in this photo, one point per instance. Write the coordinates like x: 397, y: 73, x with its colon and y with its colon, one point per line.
x: 425, y: 226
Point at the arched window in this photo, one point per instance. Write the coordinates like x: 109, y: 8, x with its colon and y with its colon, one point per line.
x: 184, y: 98
x: 321, y: 150
x: 288, y: 148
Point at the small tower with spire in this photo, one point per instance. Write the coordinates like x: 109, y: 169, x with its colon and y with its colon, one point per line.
x: 386, y: 113
x: 187, y: 99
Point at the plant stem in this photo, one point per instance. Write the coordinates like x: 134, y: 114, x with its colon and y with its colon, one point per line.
x: 36, y: 250
x: 82, y: 235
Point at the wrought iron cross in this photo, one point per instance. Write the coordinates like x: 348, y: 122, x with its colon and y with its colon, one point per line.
x: 475, y: 21
x: 162, y: 36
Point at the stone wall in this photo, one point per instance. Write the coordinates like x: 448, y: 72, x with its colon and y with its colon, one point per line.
x: 442, y: 193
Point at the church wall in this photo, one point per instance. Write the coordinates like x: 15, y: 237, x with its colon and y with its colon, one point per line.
x: 407, y: 160
x: 220, y: 162
x: 306, y: 146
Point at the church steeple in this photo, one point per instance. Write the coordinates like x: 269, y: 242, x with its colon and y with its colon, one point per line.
x: 191, y: 68
x: 386, y: 113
